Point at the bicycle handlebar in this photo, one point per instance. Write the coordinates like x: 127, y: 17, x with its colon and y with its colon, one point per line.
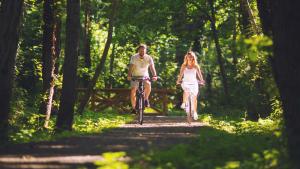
x: 137, y: 78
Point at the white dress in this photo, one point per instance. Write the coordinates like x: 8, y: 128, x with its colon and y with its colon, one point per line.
x: 189, y: 81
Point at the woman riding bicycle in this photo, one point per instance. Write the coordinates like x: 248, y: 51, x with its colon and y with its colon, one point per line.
x: 189, y: 77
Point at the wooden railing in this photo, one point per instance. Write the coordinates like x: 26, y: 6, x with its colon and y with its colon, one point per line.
x: 119, y: 99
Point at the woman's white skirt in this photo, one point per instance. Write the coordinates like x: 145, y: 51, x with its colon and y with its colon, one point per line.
x: 190, y: 87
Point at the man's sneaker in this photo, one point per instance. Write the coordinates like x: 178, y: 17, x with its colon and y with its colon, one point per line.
x: 182, y: 106
x: 147, y: 103
x: 133, y: 111
x: 195, y: 116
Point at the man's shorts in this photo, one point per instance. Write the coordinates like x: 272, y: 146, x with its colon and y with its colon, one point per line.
x: 135, y: 84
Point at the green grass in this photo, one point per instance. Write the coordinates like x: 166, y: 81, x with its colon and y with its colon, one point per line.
x: 227, y: 143
x: 88, y: 123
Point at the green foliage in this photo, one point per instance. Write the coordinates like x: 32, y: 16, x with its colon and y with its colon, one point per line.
x: 29, y: 127
x: 112, y: 160
x: 225, y: 143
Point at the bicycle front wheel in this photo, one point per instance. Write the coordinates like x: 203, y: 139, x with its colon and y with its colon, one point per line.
x: 141, y: 110
x: 189, y: 109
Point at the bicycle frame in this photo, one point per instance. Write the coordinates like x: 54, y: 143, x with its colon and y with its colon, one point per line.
x: 140, y: 100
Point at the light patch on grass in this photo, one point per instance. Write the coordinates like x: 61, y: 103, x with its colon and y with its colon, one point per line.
x: 113, y: 160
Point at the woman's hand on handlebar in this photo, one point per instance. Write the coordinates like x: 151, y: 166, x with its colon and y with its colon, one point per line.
x: 201, y: 82
x: 154, y: 78
x: 129, y: 78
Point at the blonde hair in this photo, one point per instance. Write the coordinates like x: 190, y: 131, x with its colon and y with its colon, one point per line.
x: 194, y: 62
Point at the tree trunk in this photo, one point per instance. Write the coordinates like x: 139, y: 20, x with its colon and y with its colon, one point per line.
x: 57, y: 32
x: 234, y: 34
x: 248, y: 22
x: 286, y: 69
x: 111, y: 66
x: 10, y: 16
x: 100, y: 66
x: 218, y: 48
x: 87, y: 41
x: 265, y: 13
x: 48, y: 59
x: 68, y: 95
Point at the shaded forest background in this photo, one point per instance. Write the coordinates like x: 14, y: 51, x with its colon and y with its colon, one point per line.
x: 50, y: 48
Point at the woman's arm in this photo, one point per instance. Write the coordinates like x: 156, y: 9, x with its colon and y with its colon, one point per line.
x: 199, y: 74
x: 180, y: 74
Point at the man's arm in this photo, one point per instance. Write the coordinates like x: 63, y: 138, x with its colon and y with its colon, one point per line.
x: 153, y: 72
x: 129, y: 74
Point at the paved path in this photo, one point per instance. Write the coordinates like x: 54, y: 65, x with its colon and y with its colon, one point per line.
x: 157, y: 131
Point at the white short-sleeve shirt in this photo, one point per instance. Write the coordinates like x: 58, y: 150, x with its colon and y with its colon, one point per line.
x: 140, y: 66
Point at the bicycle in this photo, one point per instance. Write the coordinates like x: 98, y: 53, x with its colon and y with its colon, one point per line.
x: 189, y: 106
x: 140, y: 100
x: 189, y: 103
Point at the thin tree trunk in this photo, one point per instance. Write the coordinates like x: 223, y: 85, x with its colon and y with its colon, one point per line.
x: 87, y: 41
x: 10, y: 16
x: 248, y: 27
x: 111, y: 66
x: 48, y: 59
x: 57, y: 31
x: 234, y: 46
x: 56, y: 48
x: 68, y: 95
x: 100, y: 66
x: 286, y: 69
x: 218, y: 48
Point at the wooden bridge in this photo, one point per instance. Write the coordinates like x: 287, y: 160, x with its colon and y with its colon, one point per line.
x: 119, y: 99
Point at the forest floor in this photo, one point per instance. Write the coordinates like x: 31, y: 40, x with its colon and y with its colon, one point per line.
x: 160, y: 132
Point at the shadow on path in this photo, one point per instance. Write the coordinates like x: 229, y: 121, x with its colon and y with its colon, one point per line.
x: 157, y: 131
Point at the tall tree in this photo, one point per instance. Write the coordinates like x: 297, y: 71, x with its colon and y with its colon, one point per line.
x: 87, y: 39
x: 265, y: 13
x: 218, y: 47
x: 68, y: 95
x: 10, y: 16
x: 249, y: 25
x: 48, y: 57
x: 286, y: 68
x: 100, y: 66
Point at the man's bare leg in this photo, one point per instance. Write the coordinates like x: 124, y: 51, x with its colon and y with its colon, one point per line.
x: 147, y: 91
x: 133, y: 97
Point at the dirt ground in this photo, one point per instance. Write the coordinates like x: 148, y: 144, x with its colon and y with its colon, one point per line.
x: 80, y: 152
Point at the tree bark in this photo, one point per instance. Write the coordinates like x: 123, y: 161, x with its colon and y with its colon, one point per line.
x: 286, y: 69
x: 249, y: 25
x: 10, y: 16
x: 87, y: 41
x: 48, y: 58
x: 265, y: 13
x: 100, y: 66
x: 68, y: 95
x: 111, y: 66
x: 218, y: 48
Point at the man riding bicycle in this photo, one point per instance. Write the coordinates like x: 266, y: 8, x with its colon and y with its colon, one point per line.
x: 139, y: 65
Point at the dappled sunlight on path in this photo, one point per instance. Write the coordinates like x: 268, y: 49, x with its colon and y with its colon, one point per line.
x: 157, y: 131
